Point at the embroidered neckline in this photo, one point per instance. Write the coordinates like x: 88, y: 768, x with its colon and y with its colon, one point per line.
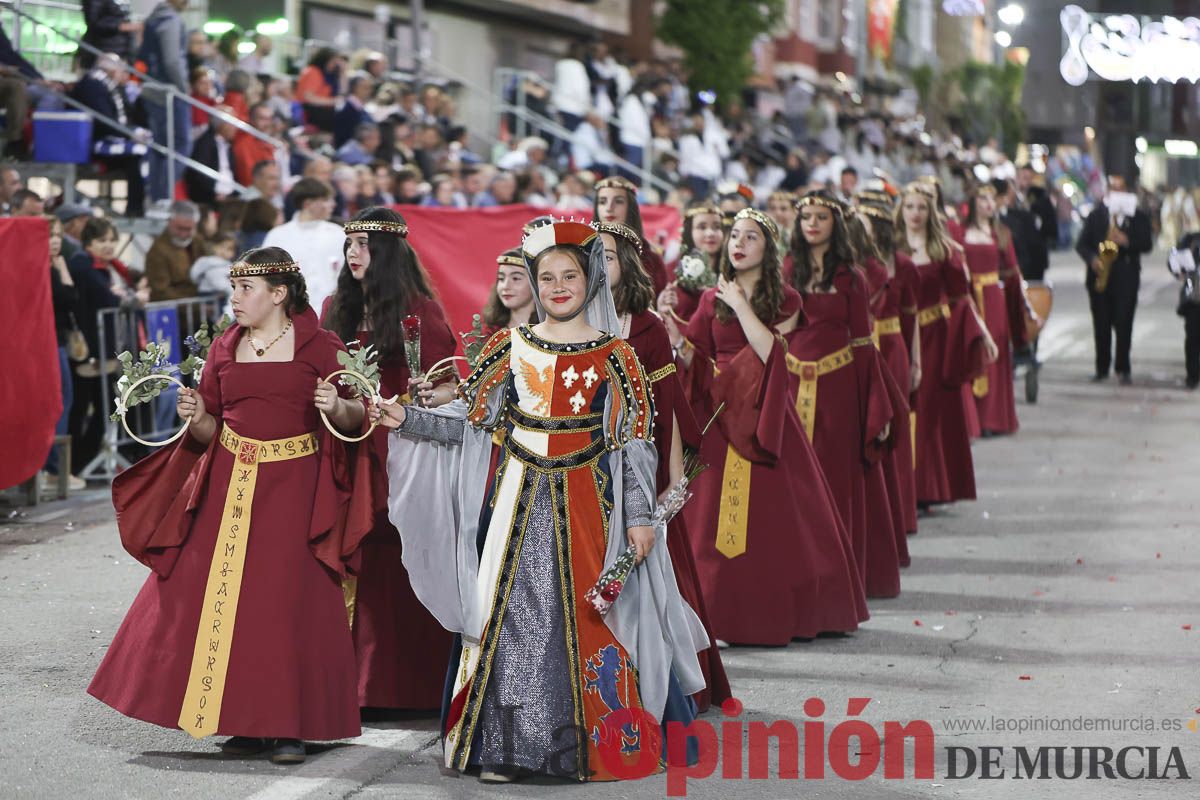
x: 526, y: 332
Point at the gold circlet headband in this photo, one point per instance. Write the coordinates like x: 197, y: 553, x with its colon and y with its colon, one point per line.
x: 877, y: 213
x: 814, y: 200
x: 698, y: 210
x: 759, y: 217
x: 510, y: 261
x: 369, y: 226
x: 243, y: 270
x: 617, y: 229
x: 616, y: 182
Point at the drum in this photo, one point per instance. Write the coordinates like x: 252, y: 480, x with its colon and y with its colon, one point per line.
x: 1040, y: 295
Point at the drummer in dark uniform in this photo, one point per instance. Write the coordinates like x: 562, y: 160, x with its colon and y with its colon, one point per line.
x: 1113, y: 308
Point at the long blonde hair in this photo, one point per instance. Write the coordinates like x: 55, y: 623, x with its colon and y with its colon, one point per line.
x: 937, y: 238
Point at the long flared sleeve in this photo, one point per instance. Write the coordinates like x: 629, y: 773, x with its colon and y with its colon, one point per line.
x: 697, y: 377
x: 966, y: 352
x: 908, y: 281
x: 1014, y: 292
x: 875, y: 409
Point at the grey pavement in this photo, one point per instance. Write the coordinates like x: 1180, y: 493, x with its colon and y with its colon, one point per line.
x: 1066, y: 595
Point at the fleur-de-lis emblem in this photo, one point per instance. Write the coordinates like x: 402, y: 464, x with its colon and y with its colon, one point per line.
x: 577, y: 402
x: 569, y: 376
x: 589, y: 377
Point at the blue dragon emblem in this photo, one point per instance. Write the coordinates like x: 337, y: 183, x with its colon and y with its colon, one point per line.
x: 602, y: 676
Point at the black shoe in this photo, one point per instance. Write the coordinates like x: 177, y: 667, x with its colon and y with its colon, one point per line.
x: 288, y: 751
x: 243, y: 746
x: 1099, y: 377
x: 1125, y: 378
x: 1192, y: 384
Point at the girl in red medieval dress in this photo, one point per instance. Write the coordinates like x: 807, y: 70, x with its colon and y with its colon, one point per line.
x: 955, y: 348
x: 674, y: 425
x: 895, y: 312
x: 996, y: 281
x: 840, y: 393
x: 616, y: 201
x: 511, y: 300
x: 402, y: 651
x: 703, y: 238
x: 774, y: 560
x: 248, y: 524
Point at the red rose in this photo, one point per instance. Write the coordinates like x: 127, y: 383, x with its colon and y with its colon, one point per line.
x: 412, y: 327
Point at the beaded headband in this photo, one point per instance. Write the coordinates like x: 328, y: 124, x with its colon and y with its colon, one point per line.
x: 872, y: 211
x: 698, y: 210
x: 759, y: 217
x: 616, y: 182
x: 926, y: 188
x: 617, y: 229
x: 817, y: 200
x: 369, y: 226
x: 243, y: 270
x: 872, y: 196
x: 506, y: 260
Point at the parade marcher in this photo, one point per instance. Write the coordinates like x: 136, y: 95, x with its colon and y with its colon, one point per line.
x: 248, y: 524
x: 674, y: 425
x: 506, y: 563
x: 781, y: 207
x: 616, y: 201
x: 1036, y: 200
x: 1113, y: 297
x: 840, y: 394
x: 896, y: 334
x: 955, y: 348
x: 996, y: 282
x: 1189, y: 309
x: 703, y: 236
x: 775, y: 561
x: 402, y: 651
x: 510, y: 302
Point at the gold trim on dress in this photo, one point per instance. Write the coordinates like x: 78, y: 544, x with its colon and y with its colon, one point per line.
x: 809, y: 372
x: 930, y: 315
x: 661, y: 373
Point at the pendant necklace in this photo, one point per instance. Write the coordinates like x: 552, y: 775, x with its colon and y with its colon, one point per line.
x: 261, y: 351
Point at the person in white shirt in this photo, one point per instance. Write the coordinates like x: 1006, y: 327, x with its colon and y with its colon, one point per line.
x: 702, y: 153
x: 572, y: 95
x: 312, y: 238
x: 634, y: 121
x: 589, y: 145
x: 258, y: 61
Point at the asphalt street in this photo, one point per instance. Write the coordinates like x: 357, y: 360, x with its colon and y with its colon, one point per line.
x: 1065, y: 597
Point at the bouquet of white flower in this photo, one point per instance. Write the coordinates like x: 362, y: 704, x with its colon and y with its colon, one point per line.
x: 694, y: 273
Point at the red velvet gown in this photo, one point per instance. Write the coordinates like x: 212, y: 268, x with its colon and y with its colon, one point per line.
x: 952, y: 354
x: 655, y: 267
x: 402, y: 650
x: 895, y: 312
x: 996, y: 281
x: 290, y: 658
x: 774, y: 560
x: 834, y: 353
x: 648, y: 336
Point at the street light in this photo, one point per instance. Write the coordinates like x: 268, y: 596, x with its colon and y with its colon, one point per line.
x: 1011, y: 15
x: 1003, y: 38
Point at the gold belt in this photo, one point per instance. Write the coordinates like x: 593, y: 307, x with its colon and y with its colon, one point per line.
x: 200, y: 714
x: 885, y: 327
x: 809, y: 372
x: 979, y: 387
x: 927, y: 316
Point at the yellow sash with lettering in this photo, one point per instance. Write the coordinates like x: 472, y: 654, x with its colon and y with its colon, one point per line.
x: 927, y: 316
x: 201, y: 711
x: 980, y: 386
x: 809, y: 372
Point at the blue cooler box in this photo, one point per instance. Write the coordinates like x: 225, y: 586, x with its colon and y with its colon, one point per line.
x: 62, y: 136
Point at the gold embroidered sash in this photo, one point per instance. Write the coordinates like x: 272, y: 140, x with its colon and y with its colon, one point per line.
x: 928, y: 316
x: 201, y: 711
x: 735, y: 505
x: 885, y: 327
x: 984, y: 279
x: 809, y: 372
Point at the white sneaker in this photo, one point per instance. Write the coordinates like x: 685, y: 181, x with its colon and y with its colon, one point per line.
x: 721, y: 644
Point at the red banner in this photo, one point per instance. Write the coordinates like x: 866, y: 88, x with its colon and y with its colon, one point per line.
x: 881, y: 24
x: 30, y: 387
x: 459, y: 247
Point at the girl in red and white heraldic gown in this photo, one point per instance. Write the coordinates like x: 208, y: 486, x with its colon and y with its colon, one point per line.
x: 840, y: 392
x: 674, y: 425
x: 774, y: 559
x: 996, y: 281
x: 895, y: 312
x: 616, y: 201
x: 402, y: 650
x: 955, y: 349
x: 703, y: 238
x: 542, y: 681
x: 248, y: 525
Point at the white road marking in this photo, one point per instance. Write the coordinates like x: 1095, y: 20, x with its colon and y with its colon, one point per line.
x: 319, y: 773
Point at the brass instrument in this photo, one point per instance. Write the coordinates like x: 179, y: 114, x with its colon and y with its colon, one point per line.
x: 1108, y: 254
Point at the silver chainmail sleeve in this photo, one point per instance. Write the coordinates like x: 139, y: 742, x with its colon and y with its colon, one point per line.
x: 637, y: 506
x: 421, y: 424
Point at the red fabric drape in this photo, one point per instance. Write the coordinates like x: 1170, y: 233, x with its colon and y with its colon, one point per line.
x: 459, y: 247
x: 30, y: 387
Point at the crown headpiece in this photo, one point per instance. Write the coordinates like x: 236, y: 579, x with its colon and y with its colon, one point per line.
x: 241, y: 269
x: 376, y: 226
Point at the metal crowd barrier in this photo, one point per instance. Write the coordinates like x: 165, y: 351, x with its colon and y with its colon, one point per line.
x: 126, y: 328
